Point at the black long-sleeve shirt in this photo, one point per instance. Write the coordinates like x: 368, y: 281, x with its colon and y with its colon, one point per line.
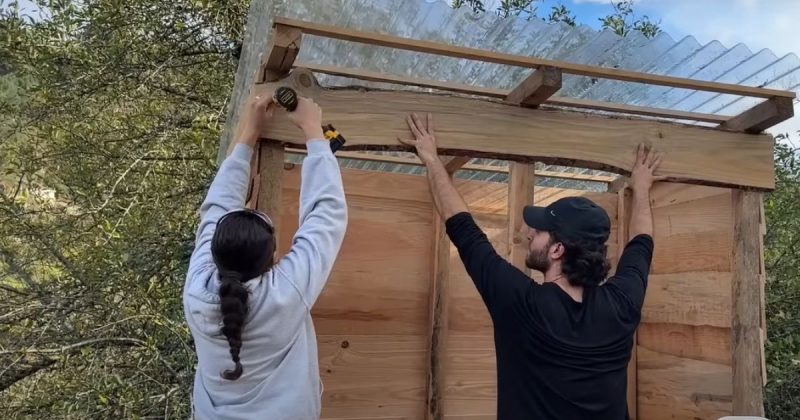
x: 557, y: 358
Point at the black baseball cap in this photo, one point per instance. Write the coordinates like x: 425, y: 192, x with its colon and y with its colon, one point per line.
x: 572, y: 218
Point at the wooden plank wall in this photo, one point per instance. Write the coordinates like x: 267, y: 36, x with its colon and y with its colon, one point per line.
x: 470, y: 360
x: 372, y: 318
x: 684, y: 348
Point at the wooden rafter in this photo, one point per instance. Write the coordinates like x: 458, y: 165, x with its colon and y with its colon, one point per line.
x: 523, y: 61
x: 281, y: 53
x: 537, y: 88
x: 503, y: 93
x: 762, y: 116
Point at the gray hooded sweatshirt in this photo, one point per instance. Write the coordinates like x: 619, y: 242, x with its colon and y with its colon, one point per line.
x: 279, y: 348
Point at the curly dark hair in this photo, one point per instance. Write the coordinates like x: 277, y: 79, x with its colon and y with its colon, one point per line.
x: 585, y: 263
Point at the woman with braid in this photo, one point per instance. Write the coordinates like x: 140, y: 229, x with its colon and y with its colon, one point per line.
x: 250, y: 316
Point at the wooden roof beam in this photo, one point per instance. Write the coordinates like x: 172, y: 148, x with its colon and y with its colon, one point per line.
x: 281, y: 53
x: 762, y: 116
x: 503, y: 93
x: 537, y: 88
x: 447, y: 50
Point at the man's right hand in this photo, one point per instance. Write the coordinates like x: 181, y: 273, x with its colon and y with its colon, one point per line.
x: 308, y: 117
x: 647, y: 161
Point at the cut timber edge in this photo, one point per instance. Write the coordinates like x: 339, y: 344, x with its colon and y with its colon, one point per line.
x: 373, y: 120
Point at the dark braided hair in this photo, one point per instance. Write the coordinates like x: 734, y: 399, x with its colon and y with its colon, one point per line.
x: 233, y: 302
x: 585, y: 263
x: 243, y: 248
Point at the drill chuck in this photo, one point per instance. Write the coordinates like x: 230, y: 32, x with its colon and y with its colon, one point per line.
x: 286, y: 97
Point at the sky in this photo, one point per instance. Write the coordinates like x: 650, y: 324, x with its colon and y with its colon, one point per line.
x: 758, y: 24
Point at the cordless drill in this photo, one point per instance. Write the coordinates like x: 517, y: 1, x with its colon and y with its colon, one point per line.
x: 286, y: 97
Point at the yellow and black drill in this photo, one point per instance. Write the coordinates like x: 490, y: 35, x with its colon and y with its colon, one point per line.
x: 286, y: 97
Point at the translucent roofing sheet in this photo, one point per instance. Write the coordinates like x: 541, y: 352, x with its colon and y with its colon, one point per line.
x: 435, y: 20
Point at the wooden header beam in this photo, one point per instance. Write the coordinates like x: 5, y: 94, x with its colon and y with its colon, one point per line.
x: 372, y: 120
x: 522, y: 61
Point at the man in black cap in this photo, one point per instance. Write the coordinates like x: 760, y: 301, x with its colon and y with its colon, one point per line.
x: 562, y: 346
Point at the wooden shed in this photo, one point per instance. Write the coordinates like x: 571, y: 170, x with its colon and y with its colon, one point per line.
x: 402, y: 331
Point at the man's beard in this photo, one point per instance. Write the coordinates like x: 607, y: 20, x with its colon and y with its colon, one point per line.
x: 537, y: 260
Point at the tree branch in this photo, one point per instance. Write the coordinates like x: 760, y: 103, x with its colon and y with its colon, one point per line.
x: 117, y: 341
x: 193, y: 98
x: 23, y: 370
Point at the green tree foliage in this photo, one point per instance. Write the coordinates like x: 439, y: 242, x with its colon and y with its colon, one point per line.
x: 621, y: 20
x: 110, y: 136
x: 782, y: 260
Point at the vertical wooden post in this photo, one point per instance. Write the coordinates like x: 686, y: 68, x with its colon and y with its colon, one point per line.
x: 746, y: 348
x: 521, y: 181
x: 267, y: 186
x: 438, y: 338
x: 623, y: 216
x: 762, y: 292
x: 438, y: 308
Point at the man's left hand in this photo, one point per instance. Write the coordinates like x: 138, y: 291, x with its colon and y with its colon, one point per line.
x: 424, y: 139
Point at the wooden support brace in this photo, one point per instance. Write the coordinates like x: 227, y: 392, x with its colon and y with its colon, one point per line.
x: 537, y: 88
x: 762, y: 116
x: 521, y: 183
x: 281, y: 53
x: 438, y: 321
x: 748, y: 399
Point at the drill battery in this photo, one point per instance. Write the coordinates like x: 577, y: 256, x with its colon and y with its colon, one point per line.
x: 336, y: 140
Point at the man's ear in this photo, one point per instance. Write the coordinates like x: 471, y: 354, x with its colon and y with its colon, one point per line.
x: 557, y: 250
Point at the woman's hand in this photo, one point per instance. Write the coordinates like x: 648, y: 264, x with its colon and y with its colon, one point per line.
x: 308, y: 117
x: 257, y: 113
